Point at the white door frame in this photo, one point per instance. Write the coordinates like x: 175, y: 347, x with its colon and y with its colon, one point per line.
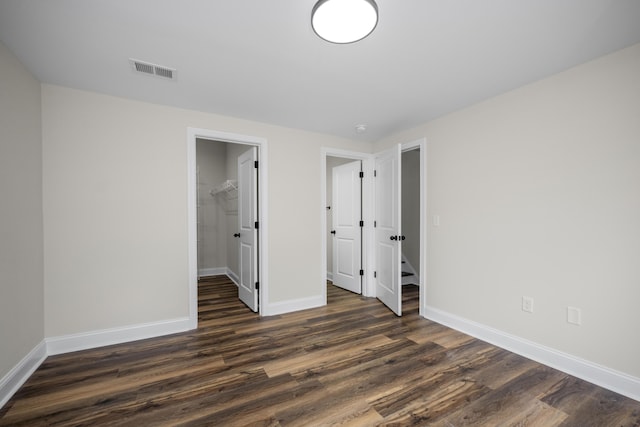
x: 367, y: 216
x: 422, y: 145
x: 192, y: 214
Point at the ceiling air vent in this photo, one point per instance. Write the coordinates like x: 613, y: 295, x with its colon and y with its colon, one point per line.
x: 153, y: 69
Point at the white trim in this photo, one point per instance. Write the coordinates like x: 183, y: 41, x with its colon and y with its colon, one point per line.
x: 192, y: 227
x: 616, y: 381
x: 330, y: 275
x: 410, y: 280
x: 367, y: 216
x: 217, y: 271
x: 295, y: 305
x: 263, y: 234
x: 408, y: 268
x: 104, y: 337
x: 13, y: 380
x: 233, y: 276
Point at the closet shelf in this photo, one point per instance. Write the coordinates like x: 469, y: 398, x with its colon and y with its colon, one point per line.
x: 226, y: 187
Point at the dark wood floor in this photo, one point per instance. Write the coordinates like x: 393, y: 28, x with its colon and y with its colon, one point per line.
x: 350, y: 363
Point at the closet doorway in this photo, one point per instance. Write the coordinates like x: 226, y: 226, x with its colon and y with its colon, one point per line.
x: 227, y: 212
x: 226, y: 207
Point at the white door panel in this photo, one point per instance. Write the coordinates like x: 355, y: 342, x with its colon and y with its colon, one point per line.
x: 346, y: 216
x: 346, y: 265
x: 387, y: 229
x: 385, y: 275
x: 247, y: 217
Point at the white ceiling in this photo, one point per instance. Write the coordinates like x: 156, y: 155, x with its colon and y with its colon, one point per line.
x: 260, y: 60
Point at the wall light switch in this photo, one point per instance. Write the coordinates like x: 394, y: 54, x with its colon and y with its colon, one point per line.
x: 574, y: 316
x: 527, y: 304
x: 436, y: 220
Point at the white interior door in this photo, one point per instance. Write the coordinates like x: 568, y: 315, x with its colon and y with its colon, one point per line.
x: 346, y: 231
x: 387, y: 229
x: 247, y: 217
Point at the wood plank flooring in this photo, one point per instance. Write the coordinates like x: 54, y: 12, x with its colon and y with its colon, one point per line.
x: 351, y: 363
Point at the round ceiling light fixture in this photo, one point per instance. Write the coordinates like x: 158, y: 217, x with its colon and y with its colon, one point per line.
x: 344, y: 21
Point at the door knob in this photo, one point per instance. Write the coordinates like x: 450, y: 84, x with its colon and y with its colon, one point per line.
x: 236, y: 234
x: 333, y: 231
x: 402, y: 237
x: 393, y: 237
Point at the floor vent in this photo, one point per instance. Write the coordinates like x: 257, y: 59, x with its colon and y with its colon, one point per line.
x: 153, y: 69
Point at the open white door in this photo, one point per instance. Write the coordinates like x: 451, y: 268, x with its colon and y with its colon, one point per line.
x: 387, y: 229
x: 346, y: 231
x: 247, y: 217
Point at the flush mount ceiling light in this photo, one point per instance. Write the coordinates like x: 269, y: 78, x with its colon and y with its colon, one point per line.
x: 344, y: 21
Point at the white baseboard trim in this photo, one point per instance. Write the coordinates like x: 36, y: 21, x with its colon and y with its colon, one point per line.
x: 204, y: 272
x: 408, y: 267
x: 219, y: 271
x: 330, y: 275
x: 411, y: 280
x: 233, y: 276
x: 602, y: 376
x: 101, y: 338
x: 293, y: 305
x: 20, y: 373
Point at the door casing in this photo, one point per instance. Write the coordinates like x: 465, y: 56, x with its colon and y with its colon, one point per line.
x: 263, y: 234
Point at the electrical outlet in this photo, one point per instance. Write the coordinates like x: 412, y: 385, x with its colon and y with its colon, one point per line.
x: 574, y: 315
x: 527, y: 304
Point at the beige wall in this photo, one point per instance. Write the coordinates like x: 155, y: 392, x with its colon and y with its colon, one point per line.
x: 538, y: 192
x: 21, y: 277
x: 115, y: 217
x: 295, y: 242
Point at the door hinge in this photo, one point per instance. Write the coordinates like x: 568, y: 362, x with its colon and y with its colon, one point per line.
x: 257, y: 285
x: 375, y: 274
x: 375, y: 224
x: 255, y: 164
x: 374, y: 173
x: 361, y: 223
x: 361, y: 174
x: 257, y: 225
x: 362, y: 272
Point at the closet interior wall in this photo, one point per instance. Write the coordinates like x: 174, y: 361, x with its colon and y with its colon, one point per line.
x: 218, y: 213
